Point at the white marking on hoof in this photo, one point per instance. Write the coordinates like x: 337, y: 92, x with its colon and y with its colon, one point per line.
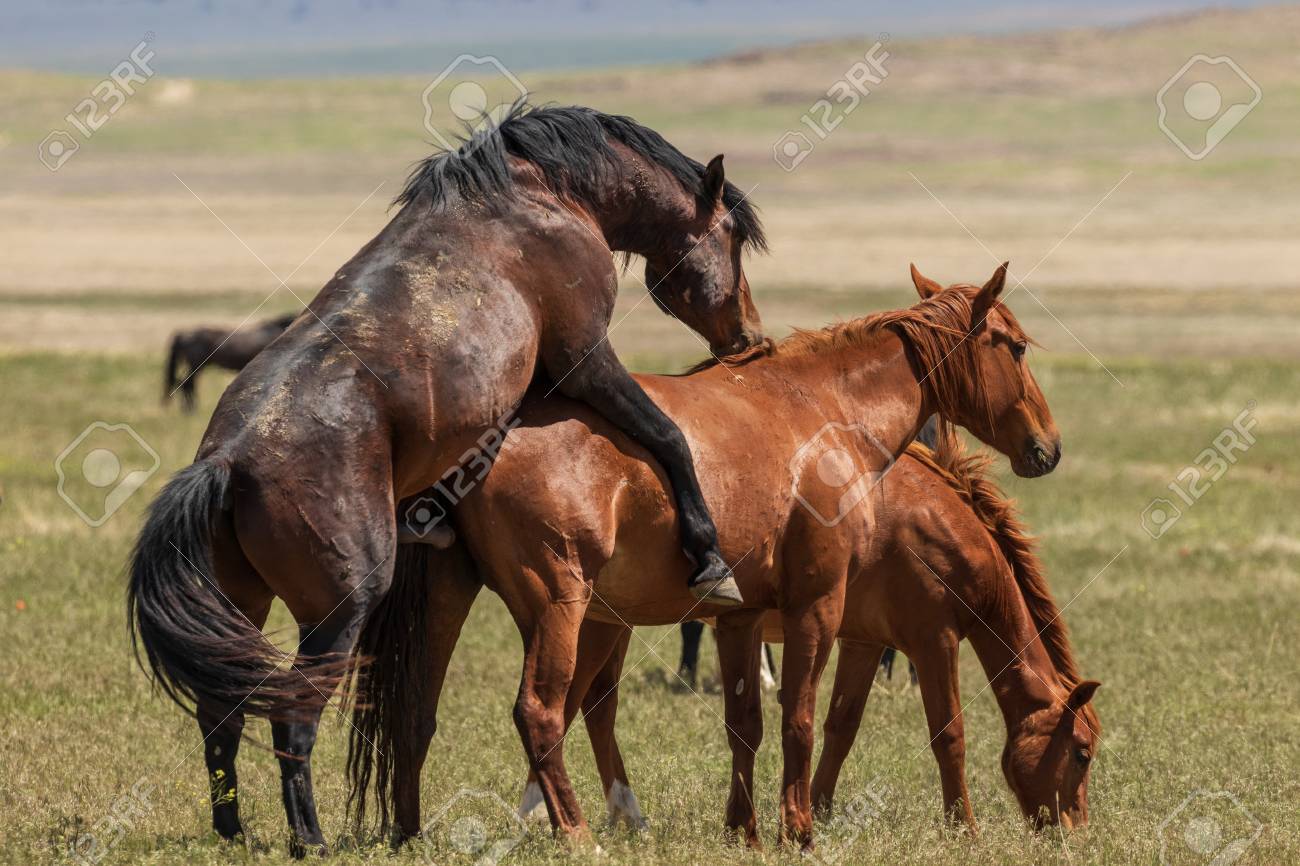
x: 621, y: 804
x: 533, y: 805
x: 740, y: 685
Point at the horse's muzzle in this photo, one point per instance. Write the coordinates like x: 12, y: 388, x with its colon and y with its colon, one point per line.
x: 747, y: 340
x: 1039, y: 458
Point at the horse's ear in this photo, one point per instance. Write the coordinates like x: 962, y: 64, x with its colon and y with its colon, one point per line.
x: 715, y: 179
x: 988, y: 295
x: 925, y: 287
x: 1082, y: 693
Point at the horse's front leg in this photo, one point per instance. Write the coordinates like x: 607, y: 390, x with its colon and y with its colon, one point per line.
x: 809, y: 635
x: 854, y: 675
x: 739, y: 640
x: 936, y: 668
x: 600, y: 380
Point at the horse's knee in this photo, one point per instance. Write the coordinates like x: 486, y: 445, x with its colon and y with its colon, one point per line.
x: 950, y: 743
x: 541, y: 725
x: 745, y: 735
x: 798, y: 732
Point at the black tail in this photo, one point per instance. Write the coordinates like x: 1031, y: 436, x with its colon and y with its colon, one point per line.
x: 172, y: 371
x: 198, y: 645
x: 395, y: 696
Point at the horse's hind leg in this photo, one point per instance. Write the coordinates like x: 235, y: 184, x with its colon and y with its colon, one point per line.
x: 600, y: 713
x: 222, y: 725
x: 294, y: 740
x: 331, y: 565
x: 452, y: 585
x: 600, y: 646
x: 854, y: 675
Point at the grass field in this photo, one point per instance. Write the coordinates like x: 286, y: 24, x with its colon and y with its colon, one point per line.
x: 1164, y: 299
x: 1193, y: 634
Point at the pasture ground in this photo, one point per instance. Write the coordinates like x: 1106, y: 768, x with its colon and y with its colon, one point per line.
x: 1164, y: 299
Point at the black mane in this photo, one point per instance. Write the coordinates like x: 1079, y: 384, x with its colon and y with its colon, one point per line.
x: 570, y: 145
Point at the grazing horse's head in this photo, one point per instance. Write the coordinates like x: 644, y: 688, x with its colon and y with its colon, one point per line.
x: 1047, y: 760
x: 983, y: 382
x: 695, y: 272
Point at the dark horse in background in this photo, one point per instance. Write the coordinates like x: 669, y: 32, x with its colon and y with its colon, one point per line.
x: 496, y: 269
x: 195, y: 349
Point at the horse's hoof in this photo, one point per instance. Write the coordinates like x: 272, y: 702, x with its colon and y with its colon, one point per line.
x: 721, y: 591
x: 300, y: 849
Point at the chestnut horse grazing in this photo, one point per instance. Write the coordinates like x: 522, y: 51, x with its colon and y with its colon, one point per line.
x: 947, y: 559
x: 215, y: 347
x: 571, y: 524
x: 496, y: 269
x: 950, y: 560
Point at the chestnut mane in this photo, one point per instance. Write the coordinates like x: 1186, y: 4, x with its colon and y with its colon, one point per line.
x: 967, y: 475
x: 935, y: 329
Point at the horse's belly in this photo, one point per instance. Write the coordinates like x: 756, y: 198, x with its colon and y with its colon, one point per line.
x: 642, y: 585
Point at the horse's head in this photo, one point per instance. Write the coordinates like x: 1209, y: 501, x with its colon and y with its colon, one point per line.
x: 1048, y: 758
x: 694, y: 270
x: 985, y: 380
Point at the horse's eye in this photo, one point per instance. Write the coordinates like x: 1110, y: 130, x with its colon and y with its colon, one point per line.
x: 1082, y: 756
x: 1018, y: 349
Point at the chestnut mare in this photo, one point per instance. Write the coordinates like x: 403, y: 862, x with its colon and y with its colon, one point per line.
x: 570, y: 523
x: 937, y: 514
x: 497, y: 268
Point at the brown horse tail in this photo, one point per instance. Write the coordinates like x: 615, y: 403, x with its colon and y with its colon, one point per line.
x: 967, y: 475
x: 197, y: 645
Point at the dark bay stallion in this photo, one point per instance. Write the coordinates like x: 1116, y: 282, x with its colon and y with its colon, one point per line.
x: 497, y: 268
x: 195, y: 349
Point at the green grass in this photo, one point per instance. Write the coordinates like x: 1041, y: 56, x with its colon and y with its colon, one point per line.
x: 1194, y: 636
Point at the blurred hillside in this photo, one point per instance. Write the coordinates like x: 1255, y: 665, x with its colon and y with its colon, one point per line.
x: 1044, y: 147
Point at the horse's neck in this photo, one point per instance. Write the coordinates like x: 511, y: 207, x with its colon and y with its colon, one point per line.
x: 1020, y: 670
x: 872, y: 385
x: 639, y: 205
